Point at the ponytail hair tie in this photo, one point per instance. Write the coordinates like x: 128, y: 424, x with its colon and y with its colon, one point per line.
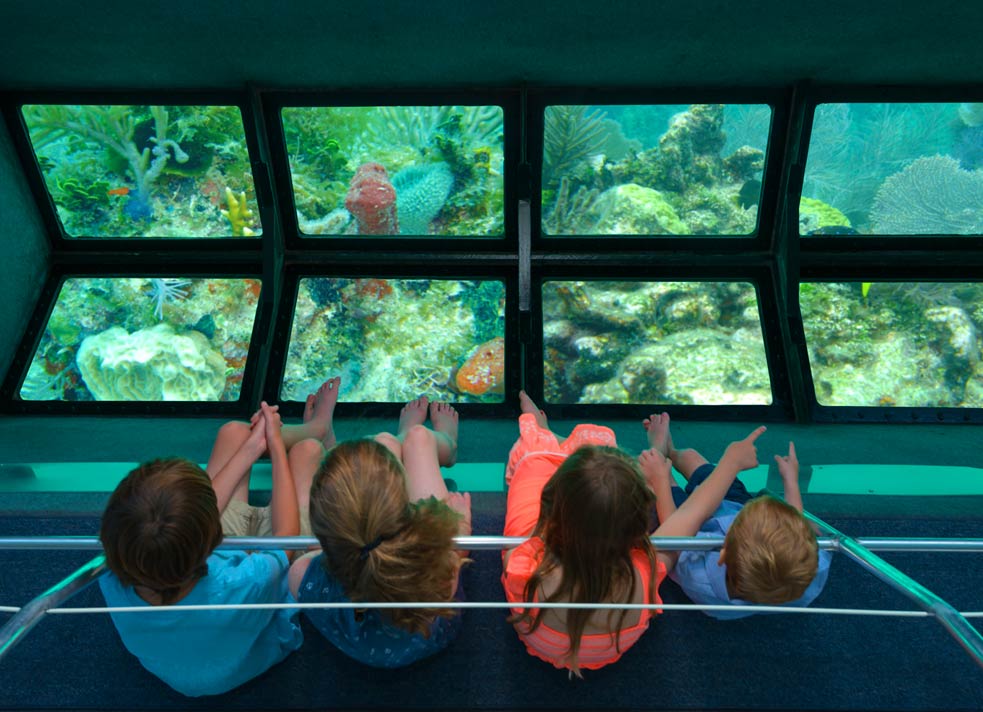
x: 363, y: 553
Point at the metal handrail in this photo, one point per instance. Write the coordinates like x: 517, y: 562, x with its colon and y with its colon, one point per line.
x: 492, y: 543
x: 958, y: 627
x: 21, y: 623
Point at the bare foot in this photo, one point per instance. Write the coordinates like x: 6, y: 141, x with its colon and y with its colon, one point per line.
x: 319, y: 412
x: 657, y: 426
x: 413, y: 413
x: 527, y: 405
x: 444, y: 419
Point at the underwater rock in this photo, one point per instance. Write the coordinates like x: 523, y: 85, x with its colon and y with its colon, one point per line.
x: 961, y: 340
x: 151, y: 365
x: 372, y: 200
x: 745, y: 163
x: 484, y: 370
x: 421, y: 192
x: 632, y: 209
x: 597, y: 359
x: 699, y: 366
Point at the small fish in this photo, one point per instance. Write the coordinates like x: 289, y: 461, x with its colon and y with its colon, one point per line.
x: 750, y: 193
x: 119, y: 191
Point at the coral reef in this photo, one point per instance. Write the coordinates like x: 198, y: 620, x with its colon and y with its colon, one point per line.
x: 631, y: 209
x: 931, y: 196
x: 815, y: 214
x: 421, y: 192
x: 484, y: 370
x: 646, y: 342
x: 238, y: 214
x: 167, y: 290
x: 151, y: 365
x: 372, y: 200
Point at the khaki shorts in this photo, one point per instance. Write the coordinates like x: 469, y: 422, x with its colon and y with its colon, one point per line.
x: 241, y: 519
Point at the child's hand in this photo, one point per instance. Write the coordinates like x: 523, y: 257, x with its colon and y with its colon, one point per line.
x: 461, y: 503
x: 273, y: 425
x: 743, y: 454
x: 256, y: 443
x: 656, y: 467
x: 788, y: 465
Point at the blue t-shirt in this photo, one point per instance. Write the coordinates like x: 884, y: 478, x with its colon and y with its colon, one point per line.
x: 210, y: 652
x: 367, y: 636
x: 704, y: 580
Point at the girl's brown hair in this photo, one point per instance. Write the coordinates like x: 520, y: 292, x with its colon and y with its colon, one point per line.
x: 160, y: 526
x: 594, y: 511
x: 376, y: 543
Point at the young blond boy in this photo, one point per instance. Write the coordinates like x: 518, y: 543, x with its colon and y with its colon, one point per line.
x: 770, y: 555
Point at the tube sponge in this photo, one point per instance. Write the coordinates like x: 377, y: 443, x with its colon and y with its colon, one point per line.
x: 151, y: 365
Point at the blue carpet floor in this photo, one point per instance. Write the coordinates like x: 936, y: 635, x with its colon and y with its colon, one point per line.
x: 685, y: 661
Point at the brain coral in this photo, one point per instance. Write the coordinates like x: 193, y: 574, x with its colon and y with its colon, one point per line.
x: 151, y: 365
x: 421, y: 192
x: 931, y: 196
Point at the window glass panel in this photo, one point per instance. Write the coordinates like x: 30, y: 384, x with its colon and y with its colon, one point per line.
x: 146, y: 171
x: 894, y: 343
x: 653, y: 170
x: 392, y: 340
x: 885, y: 169
x: 693, y: 343
x: 397, y: 170
x: 145, y: 339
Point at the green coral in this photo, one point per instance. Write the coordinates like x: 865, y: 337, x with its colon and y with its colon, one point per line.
x: 815, y: 214
x: 931, y: 196
x: 571, y: 136
x: 151, y: 365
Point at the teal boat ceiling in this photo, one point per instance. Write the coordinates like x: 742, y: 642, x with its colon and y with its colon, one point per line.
x: 448, y: 43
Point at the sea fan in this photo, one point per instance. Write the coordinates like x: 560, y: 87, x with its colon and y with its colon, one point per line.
x: 166, y: 290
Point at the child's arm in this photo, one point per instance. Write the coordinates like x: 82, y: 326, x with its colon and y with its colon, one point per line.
x: 788, y: 468
x: 658, y: 474
x: 699, y: 506
x: 283, y: 505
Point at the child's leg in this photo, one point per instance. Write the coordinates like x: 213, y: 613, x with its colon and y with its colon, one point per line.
x: 231, y: 437
x: 318, y: 417
x: 305, y: 458
x: 421, y: 449
x: 527, y: 405
x: 685, y: 461
x: 444, y: 419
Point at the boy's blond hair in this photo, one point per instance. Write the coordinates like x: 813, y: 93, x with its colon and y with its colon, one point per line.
x: 770, y: 552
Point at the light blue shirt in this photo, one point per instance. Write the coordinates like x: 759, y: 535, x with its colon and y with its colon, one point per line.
x: 210, y: 652
x: 704, y: 580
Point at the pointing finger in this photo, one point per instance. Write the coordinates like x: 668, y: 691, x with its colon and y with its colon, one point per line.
x: 755, y: 434
x: 791, y: 450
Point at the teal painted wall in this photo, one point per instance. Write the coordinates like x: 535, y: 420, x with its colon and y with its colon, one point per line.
x: 24, y: 251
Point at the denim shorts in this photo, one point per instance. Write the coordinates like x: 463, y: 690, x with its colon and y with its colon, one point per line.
x: 737, y: 492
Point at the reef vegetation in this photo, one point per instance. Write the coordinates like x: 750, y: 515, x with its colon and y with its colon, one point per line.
x: 392, y: 340
x: 145, y: 171
x: 153, y: 339
x: 647, y: 172
x: 397, y: 170
x: 895, y: 343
